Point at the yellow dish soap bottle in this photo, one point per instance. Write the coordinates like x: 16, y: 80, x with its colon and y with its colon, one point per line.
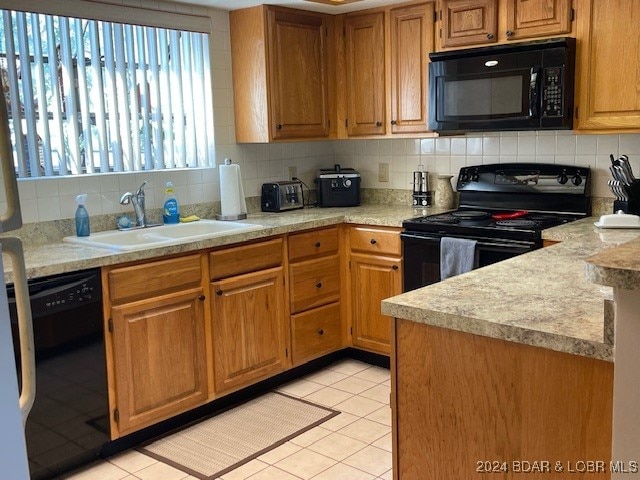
x: 171, y: 210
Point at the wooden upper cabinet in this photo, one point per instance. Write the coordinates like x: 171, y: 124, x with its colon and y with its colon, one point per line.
x: 468, y: 22
x: 411, y: 36
x: 365, y: 73
x: 608, y: 65
x: 536, y: 18
x: 485, y: 22
x: 281, y: 71
x: 299, y: 74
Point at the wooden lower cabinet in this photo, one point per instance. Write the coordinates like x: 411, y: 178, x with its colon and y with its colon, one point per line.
x: 373, y: 278
x: 160, y: 364
x: 248, y: 328
x: 315, y: 332
x: 460, y: 399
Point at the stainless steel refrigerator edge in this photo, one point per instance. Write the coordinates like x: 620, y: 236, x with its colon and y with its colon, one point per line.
x: 14, y: 406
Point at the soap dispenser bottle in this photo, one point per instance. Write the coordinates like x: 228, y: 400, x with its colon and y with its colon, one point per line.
x: 82, y: 217
x: 171, y: 212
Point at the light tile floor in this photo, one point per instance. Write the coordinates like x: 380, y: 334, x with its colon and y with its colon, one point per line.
x: 355, y: 445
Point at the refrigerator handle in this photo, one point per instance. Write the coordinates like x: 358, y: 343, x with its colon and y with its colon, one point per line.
x: 11, y: 219
x: 12, y: 246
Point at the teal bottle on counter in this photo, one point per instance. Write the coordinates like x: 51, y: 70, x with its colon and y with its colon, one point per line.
x: 83, y: 228
x: 171, y: 210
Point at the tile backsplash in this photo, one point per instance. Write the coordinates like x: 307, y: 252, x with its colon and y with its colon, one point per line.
x: 54, y: 198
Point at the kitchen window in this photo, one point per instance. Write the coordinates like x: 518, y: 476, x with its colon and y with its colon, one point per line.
x: 91, y: 96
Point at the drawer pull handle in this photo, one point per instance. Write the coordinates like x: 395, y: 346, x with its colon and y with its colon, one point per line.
x: 219, y: 292
x: 202, y: 298
x: 373, y: 241
x: 395, y: 267
x: 321, y: 332
x: 509, y: 33
x: 319, y: 285
x: 317, y: 245
x: 489, y: 36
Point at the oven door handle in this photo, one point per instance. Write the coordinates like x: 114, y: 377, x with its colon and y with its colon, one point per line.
x: 510, y: 246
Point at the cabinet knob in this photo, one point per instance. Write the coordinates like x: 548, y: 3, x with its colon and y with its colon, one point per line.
x: 321, y: 332
x: 279, y: 126
x: 373, y: 241
x: 378, y: 124
x: 393, y: 122
x: 219, y: 292
x: 395, y: 267
x: 202, y: 298
x: 319, y: 285
x: 509, y: 33
x: 489, y: 36
x: 317, y: 244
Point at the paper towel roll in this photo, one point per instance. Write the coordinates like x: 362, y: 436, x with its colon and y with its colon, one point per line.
x: 232, y: 203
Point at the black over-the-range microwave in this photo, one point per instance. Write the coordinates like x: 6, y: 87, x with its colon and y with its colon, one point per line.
x: 524, y: 86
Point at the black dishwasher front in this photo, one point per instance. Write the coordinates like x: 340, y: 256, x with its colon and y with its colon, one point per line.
x: 69, y: 422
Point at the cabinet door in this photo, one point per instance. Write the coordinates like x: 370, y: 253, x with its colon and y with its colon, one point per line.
x: 248, y: 332
x: 373, y: 279
x: 411, y: 41
x: 468, y: 22
x: 298, y: 74
x: 160, y: 365
x: 537, y: 18
x: 608, y: 65
x: 364, y: 49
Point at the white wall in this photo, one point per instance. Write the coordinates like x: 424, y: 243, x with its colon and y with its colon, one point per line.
x: 51, y: 199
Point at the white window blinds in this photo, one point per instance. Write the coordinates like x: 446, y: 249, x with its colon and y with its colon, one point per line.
x: 88, y: 96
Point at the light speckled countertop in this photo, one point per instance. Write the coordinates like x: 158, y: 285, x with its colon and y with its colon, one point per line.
x: 617, y: 267
x: 541, y: 298
x: 60, y: 257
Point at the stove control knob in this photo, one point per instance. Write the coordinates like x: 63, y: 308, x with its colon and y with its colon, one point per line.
x: 577, y: 179
x: 347, y: 183
x: 475, y: 177
x: 464, y: 177
x: 562, y: 178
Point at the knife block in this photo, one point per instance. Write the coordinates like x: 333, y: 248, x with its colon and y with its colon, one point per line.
x: 633, y: 204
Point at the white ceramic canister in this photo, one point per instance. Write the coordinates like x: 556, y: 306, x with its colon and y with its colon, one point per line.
x: 444, y: 194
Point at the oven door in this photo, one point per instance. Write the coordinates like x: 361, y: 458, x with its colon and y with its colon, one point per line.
x: 421, y: 256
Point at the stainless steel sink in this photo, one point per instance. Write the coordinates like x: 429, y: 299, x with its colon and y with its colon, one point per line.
x: 137, y: 239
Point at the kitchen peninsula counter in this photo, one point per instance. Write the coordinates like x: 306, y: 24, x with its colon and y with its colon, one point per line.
x: 510, y: 366
x: 541, y: 298
x: 59, y: 257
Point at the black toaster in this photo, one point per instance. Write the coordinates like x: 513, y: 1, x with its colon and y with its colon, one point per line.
x: 280, y: 196
x: 338, y: 187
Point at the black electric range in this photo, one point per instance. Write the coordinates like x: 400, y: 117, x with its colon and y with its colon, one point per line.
x: 504, y: 207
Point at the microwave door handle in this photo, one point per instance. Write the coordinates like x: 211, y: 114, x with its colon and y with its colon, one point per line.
x: 534, y: 92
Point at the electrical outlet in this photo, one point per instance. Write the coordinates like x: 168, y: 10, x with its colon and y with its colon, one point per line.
x: 293, y: 171
x: 383, y: 172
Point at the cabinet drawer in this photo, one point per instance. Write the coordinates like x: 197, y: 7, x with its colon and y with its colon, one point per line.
x: 309, y: 244
x: 315, y: 332
x: 314, y: 283
x: 150, y: 279
x: 374, y: 240
x: 245, y: 258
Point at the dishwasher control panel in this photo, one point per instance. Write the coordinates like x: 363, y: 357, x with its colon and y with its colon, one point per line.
x: 58, y: 294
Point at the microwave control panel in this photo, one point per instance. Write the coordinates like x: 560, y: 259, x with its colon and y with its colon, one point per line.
x: 552, y: 92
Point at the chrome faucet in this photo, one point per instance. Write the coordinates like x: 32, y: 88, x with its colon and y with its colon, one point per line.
x: 137, y: 200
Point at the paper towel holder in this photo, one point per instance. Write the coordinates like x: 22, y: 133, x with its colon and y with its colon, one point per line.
x: 235, y: 216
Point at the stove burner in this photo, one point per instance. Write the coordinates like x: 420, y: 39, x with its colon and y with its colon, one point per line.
x: 517, y: 222
x: 471, y: 214
x: 444, y: 218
